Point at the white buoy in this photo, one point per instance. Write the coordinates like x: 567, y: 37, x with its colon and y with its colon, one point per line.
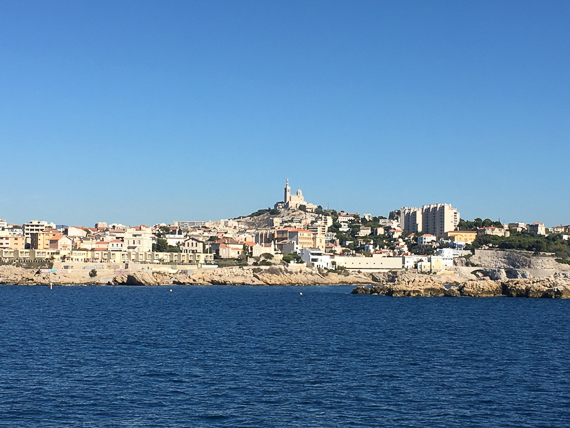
x: 300, y: 294
x: 171, y: 290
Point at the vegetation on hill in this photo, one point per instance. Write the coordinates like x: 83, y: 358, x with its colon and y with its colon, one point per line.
x: 467, y: 225
x: 553, y: 243
x: 163, y: 231
x: 270, y: 211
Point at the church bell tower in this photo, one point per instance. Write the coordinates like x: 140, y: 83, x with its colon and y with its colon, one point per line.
x: 287, y: 196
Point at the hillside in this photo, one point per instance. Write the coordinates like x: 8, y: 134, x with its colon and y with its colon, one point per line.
x: 287, y: 217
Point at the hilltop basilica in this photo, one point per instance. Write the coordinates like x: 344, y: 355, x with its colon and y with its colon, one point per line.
x: 294, y: 201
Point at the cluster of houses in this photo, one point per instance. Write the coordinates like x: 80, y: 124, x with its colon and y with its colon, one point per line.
x: 307, y: 233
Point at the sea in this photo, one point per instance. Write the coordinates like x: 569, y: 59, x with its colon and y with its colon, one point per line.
x: 246, y: 356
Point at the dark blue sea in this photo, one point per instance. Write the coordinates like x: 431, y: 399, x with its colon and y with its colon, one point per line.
x: 271, y: 357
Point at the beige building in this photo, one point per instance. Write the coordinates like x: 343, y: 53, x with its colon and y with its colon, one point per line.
x: 466, y: 236
x: 192, y: 245
x: 33, y: 226
x: 411, y: 219
x: 76, y: 231
x: 229, y: 250
x: 61, y: 243
x: 8, y: 241
x: 306, y: 239
x: 436, y: 219
x: 537, y: 228
x: 40, y: 240
x: 374, y: 263
x: 495, y: 231
x: 432, y: 264
x: 138, y: 239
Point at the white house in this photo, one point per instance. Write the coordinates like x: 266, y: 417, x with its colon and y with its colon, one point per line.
x: 316, y: 257
x: 138, y: 239
x: 426, y: 239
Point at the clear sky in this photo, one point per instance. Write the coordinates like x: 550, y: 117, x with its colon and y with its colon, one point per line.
x: 154, y: 111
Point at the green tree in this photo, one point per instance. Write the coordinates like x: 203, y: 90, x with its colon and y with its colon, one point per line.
x: 161, y: 246
x: 291, y: 257
x: 92, y: 273
x: 163, y: 231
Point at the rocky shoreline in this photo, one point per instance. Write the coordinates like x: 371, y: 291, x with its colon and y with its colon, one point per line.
x: 512, y: 283
x: 224, y: 276
x: 413, y: 285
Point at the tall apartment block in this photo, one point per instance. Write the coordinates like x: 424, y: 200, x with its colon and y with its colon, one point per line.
x: 411, y: 219
x: 436, y: 219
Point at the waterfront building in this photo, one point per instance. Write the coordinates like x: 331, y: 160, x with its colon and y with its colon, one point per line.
x: 33, y: 226
x: 8, y: 241
x: 138, y: 239
x: 40, y: 240
x: 374, y: 263
x: 316, y: 257
x: 192, y: 245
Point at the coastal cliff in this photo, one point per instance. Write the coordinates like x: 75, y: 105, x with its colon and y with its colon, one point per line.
x: 240, y: 276
x: 413, y: 285
x: 222, y: 276
x: 400, y: 284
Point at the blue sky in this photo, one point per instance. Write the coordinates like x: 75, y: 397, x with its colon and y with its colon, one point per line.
x: 146, y: 111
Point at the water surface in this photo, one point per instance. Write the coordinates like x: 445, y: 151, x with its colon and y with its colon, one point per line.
x: 270, y: 357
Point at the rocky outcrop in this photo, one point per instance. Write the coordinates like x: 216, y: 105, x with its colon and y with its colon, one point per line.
x: 529, y: 287
x: 503, y: 274
x: 481, y: 288
x: 517, y: 273
x: 277, y: 275
x: 12, y: 275
x: 511, y: 259
x: 142, y: 278
x: 495, y: 274
x: 538, y: 287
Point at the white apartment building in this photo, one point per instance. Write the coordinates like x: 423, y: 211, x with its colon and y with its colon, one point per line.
x: 427, y: 239
x: 439, y: 218
x: 375, y: 263
x: 411, y: 219
x: 316, y: 257
x: 435, y: 219
x: 138, y: 239
x: 33, y: 226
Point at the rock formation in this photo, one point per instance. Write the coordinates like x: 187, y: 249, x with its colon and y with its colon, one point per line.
x: 529, y: 287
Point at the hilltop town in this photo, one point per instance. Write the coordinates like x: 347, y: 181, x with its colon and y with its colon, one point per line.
x: 294, y: 232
